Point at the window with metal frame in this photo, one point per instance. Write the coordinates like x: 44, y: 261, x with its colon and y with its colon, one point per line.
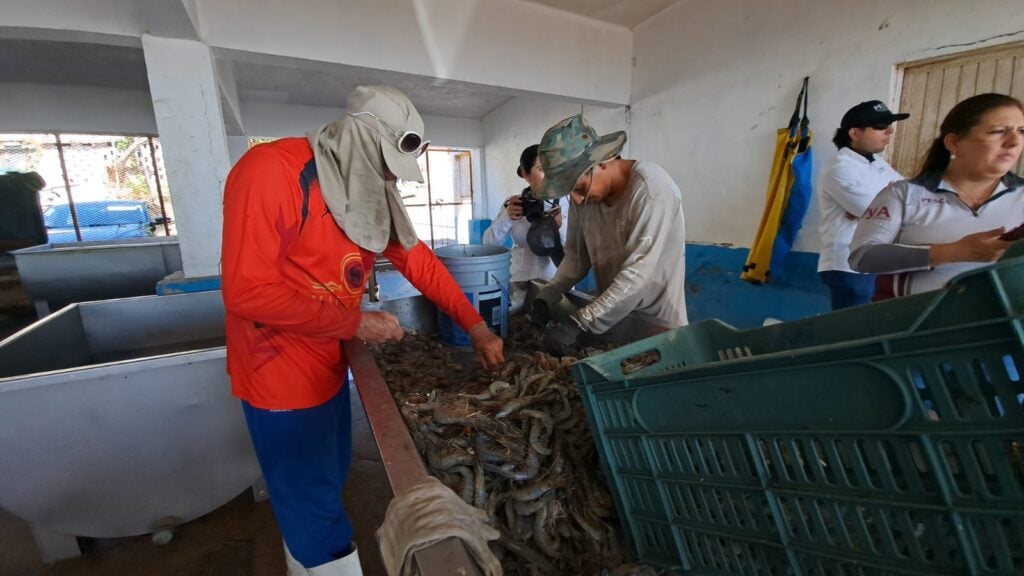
x: 97, y: 186
x: 441, y: 207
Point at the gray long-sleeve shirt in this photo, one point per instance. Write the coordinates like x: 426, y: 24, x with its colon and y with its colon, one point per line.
x: 636, y: 248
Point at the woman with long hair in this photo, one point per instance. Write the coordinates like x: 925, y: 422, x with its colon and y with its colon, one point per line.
x: 954, y: 214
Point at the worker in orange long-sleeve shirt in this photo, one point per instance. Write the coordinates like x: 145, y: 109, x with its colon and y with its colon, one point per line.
x: 303, y: 220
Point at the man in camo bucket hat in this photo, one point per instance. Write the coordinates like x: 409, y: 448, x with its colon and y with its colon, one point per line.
x: 625, y: 222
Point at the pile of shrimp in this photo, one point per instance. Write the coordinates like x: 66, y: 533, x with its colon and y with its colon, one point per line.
x: 515, y: 443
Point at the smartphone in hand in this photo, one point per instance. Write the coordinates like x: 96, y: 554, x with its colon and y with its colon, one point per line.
x: 1013, y: 235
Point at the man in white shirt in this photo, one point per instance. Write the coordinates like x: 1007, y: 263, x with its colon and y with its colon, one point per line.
x: 625, y: 222
x: 848, y: 185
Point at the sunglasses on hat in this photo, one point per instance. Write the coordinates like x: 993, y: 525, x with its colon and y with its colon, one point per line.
x: 408, y: 142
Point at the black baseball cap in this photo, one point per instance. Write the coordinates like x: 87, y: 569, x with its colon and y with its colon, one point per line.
x: 872, y: 112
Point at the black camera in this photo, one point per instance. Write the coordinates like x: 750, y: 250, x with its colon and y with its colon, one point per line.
x: 543, y: 237
x: 533, y: 208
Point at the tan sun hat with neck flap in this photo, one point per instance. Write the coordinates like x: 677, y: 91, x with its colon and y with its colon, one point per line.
x: 380, y: 132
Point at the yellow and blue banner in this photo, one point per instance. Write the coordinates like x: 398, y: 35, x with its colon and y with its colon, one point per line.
x: 789, y: 194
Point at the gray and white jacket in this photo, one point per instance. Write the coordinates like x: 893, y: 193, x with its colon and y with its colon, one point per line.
x: 895, y: 233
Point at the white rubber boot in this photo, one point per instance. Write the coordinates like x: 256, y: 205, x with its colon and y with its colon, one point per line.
x: 294, y: 567
x: 347, y: 566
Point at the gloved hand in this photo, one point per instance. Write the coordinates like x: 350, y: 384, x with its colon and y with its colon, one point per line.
x: 563, y: 338
x: 488, y: 348
x: 540, y: 313
x: 379, y: 327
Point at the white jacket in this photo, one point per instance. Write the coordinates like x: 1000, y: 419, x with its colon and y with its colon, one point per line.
x: 848, y: 185
x: 525, y: 264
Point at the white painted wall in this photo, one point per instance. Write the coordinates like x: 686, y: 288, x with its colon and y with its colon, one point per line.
x: 281, y: 120
x: 521, y: 123
x: 714, y: 80
x: 51, y: 107
x: 454, y: 132
x: 509, y: 43
x: 277, y: 120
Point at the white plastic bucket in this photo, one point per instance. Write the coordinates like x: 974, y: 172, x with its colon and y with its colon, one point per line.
x: 482, y: 272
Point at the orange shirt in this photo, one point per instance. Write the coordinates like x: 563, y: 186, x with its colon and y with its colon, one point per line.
x: 292, y: 287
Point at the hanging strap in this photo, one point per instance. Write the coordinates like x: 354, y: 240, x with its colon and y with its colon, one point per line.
x: 794, y: 120
x: 805, y: 92
x: 800, y: 121
x: 801, y: 98
x: 805, y: 139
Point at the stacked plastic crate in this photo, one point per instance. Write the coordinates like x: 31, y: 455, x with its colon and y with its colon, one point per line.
x: 880, y: 440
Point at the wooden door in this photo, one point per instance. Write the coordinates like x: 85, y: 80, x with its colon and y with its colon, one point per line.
x: 931, y: 87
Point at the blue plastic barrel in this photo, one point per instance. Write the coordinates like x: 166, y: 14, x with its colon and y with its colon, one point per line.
x: 482, y: 272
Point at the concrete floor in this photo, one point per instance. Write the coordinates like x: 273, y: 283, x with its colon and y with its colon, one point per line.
x: 238, y: 539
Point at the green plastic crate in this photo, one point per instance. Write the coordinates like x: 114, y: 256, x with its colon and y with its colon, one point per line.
x: 880, y: 440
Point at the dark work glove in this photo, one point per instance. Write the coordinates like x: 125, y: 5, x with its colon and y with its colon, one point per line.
x: 540, y: 313
x: 562, y: 339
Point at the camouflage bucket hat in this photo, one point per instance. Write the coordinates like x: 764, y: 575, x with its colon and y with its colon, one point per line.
x: 570, y: 148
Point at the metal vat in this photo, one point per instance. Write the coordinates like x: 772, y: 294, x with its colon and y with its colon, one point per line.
x: 55, y: 275
x: 117, y: 416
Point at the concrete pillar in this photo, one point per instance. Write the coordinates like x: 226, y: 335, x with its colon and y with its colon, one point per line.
x: 237, y: 146
x: 186, y: 102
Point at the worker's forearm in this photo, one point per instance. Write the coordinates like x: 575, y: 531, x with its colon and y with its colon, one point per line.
x: 280, y: 307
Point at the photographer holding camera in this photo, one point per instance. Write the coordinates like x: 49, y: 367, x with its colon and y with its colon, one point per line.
x: 537, y: 228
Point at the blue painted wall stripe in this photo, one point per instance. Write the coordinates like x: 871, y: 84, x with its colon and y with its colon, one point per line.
x: 714, y: 288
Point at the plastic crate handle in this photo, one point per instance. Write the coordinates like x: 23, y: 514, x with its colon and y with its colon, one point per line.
x: 609, y: 365
x: 827, y: 397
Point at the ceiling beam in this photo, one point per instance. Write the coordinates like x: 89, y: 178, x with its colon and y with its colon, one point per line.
x: 167, y: 18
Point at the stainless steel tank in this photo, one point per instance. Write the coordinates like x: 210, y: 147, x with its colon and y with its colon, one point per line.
x: 55, y: 275
x: 116, y: 417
